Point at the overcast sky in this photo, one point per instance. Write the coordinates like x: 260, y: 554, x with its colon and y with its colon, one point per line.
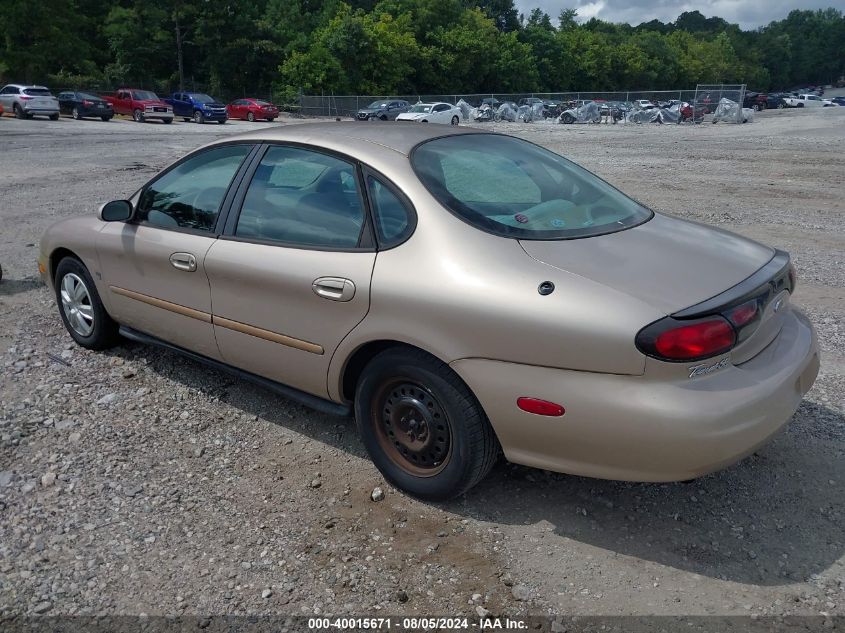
x: 748, y: 14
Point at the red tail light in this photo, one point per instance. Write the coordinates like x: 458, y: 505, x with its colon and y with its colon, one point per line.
x: 676, y: 340
x: 25, y: 97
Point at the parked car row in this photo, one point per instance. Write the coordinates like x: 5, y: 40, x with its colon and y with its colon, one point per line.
x: 26, y: 101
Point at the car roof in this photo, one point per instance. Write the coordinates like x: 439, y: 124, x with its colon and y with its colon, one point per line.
x: 348, y: 135
x: 27, y: 86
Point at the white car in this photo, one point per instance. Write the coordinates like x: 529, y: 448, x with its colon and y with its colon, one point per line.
x: 432, y: 113
x: 808, y: 100
x: 644, y: 104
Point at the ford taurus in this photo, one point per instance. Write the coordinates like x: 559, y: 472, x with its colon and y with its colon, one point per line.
x: 462, y: 293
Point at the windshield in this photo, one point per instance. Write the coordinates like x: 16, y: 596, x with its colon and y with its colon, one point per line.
x: 375, y: 105
x: 201, y: 98
x: 420, y: 108
x: 37, y: 92
x: 512, y: 188
x: 142, y: 95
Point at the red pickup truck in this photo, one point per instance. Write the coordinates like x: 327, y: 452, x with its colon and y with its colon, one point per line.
x: 141, y: 105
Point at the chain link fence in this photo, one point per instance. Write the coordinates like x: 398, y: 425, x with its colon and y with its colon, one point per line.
x: 345, y: 106
x: 709, y: 100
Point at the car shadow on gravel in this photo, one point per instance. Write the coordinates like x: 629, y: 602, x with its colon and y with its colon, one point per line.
x: 773, y: 519
x: 10, y: 287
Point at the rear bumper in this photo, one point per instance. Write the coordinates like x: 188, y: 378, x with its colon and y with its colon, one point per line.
x: 640, y: 429
x: 32, y: 109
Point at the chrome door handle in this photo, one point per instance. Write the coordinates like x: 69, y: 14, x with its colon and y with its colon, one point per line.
x: 334, y: 288
x: 184, y: 261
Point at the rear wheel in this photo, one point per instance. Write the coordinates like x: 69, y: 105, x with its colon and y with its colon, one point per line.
x: 80, y: 307
x: 422, y: 426
x: 18, y: 111
x: 76, y: 114
x: 106, y: 118
x: 250, y: 117
x: 137, y: 115
x: 271, y: 119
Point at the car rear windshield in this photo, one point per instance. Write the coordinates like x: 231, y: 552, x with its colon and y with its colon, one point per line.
x: 513, y: 188
x: 37, y: 92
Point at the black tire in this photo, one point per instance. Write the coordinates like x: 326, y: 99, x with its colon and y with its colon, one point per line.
x: 186, y: 119
x: 383, y: 117
x: 19, y: 114
x: 250, y: 117
x: 781, y: 105
x: 222, y: 122
x: 452, y: 423
x: 271, y: 119
x: 104, y: 330
x: 106, y: 119
x: 54, y: 117
x: 455, y: 120
x: 167, y: 121
x: 199, y: 117
x: 567, y: 118
x: 137, y: 115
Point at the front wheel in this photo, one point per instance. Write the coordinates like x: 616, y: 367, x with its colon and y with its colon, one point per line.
x: 222, y: 122
x: 19, y: 113
x: 167, y: 121
x: 82, y: 312
x: 422, y: 426
x: 199, y: 117
x: 138, y: 116
x: 54, y: 117
x: 781, y: 105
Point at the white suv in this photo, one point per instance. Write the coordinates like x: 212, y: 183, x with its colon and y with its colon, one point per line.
x: 27, y: 101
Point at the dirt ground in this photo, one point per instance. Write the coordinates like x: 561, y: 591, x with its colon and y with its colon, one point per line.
x: 136, y: 481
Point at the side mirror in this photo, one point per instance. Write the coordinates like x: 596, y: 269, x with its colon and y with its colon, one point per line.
x: 115, y: 211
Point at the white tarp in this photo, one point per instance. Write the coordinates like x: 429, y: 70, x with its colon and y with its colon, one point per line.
x: 730, y: 112
x: 589, y: 112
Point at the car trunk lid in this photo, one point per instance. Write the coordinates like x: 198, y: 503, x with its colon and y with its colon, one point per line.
x: 669, y: 263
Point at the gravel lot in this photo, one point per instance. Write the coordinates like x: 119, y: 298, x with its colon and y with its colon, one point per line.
x: 135, y: 481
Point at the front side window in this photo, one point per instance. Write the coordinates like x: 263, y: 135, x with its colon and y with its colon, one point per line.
x: 189, y: 195
x: 512, y: 188
x: 303, y: 198
x: 392, y: 219
x: 421, y: 108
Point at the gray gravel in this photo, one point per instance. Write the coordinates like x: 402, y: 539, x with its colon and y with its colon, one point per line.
x: 135, y: 481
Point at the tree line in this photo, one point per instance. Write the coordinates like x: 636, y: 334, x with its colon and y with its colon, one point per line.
x: 236, y: 48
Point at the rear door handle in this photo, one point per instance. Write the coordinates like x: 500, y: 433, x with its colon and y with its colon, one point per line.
x: 334, y: 288
x: 184, y: 261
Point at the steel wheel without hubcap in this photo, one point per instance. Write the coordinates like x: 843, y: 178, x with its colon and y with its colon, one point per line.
x: 77, y: 306
x: 413, y: 428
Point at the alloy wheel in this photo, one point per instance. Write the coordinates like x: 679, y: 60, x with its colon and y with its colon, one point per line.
x: 77, y: 305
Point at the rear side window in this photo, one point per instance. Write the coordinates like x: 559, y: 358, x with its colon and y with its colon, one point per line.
x: 392, y: 218
x: 303, y: 198
x: 189, y: 195
x: 513, y: 188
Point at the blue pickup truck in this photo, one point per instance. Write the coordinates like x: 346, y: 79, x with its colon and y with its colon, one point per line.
x: 197, y: 106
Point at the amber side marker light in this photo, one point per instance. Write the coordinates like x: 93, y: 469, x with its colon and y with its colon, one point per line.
x: 42, y: 268
x: 540, y: 407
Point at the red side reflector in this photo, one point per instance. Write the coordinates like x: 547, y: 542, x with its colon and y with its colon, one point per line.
x: 540, y: 407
